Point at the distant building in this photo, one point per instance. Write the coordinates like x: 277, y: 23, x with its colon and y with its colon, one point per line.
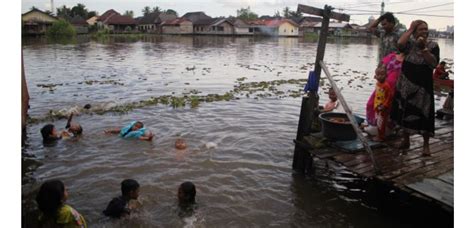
x: 92, y: 21
x: 275, y: 27
x: 179, y: 26
x: 214, y: 26
x: 35, y: 22
x: 81, y: 25
x: 151, y: 22
x: 241, y: 27
x: 196, y: 16
x: 115, y: 22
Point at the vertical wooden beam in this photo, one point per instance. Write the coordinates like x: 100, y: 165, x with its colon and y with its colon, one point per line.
x: 25, y: 98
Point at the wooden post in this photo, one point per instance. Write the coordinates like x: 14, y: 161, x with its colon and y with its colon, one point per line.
x: 25, y: 98
x: 302, y: 160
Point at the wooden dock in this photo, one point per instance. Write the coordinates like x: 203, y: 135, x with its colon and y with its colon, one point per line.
x: 428, y: 178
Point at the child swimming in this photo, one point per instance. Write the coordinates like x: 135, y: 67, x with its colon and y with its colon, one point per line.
x: 135, y: 129
x: 51, y: 200
x: 120, y: 206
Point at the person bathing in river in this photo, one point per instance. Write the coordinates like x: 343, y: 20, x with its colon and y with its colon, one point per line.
x: 51, y: 135
x: 186, y: 198
x: 382, y: 102
x: 440, y: 72
x: 122, y: 205
x: 135, y: 130
x: 51, y: 199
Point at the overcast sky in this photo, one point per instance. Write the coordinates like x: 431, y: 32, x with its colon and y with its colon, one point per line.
x: 359, y: 9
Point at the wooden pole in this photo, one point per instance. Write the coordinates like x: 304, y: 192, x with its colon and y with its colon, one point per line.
x: 25, y: 98
x: 350, y: 116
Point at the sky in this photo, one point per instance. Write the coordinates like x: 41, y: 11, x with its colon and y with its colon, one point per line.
x: 360, y: 10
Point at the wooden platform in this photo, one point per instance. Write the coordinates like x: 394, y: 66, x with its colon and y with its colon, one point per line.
x: 426, y: 177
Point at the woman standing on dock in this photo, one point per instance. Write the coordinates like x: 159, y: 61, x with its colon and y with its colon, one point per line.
x: 413, y: 103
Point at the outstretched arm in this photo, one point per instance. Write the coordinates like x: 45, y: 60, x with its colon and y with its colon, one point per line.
x: 115, y: 130
x: 148, y: 136
x: 373, y: 27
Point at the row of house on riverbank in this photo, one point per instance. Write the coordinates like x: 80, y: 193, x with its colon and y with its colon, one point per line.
x: 193, y: 23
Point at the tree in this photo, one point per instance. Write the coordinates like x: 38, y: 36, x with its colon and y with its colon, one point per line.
x: 277, y: 14
x: 128, y: 13
x: 246, y: 14
x: 146, y: 10
x: 286, y: 12
x: 91, y: 14
x: 79, y: 9
x: 48, y: 12
x: 173, y: 12
x: 156, y: 9
x: 63, y: 12
x: 33, y: 8
x: 61, y: 29
x: 295, y: 14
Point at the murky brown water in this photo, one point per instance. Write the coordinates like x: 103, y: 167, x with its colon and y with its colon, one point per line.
x: 245, y: 180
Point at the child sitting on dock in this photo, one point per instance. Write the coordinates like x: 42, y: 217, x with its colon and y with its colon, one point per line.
x: 382, y: 102
x: 135, y: 130
x: 51, y: 200
x: 333, y: 103
x: 122, y: 206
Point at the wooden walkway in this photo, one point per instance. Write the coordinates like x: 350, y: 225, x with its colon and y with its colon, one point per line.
x: 430, y: 178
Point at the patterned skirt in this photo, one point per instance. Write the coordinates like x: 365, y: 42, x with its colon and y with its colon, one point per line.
x: 413, y: 102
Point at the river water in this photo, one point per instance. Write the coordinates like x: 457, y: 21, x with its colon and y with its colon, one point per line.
x: 239, y: 151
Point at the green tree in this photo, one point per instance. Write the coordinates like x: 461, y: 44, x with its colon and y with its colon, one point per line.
x: 286, y: 12
x: 61, y: 29
x: 246, y: 14
x: 156, y: 9
x: 63, y: 11
x: 146, y: 10
x: 33, y: 8
x: 128, y: 13
x: 277, y: 14
x: 295, y: 14
x: 173, y: 12
x: 91, y: 14
x: 79, y: 9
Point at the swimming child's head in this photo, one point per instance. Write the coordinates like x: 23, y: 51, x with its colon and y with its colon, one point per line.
x: 442, y: 63
x: 180, y: 144
x: 52, y: 194
x: 332, y: 94
x: 75, y: 128
x: 49, y: 132
x: 137, y: 126
x: 130, y: 188
x: 186, y: 193
x: 380, y: 74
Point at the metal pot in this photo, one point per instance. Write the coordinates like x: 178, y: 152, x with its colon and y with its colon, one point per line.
x: 336, y: 131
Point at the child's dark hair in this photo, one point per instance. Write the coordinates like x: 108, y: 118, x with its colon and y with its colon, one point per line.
x: 442, y: 62
x: 389, y: 17
x: 46, y: 132
x: 129, y: 185
x: 189, y: 191
x: 50, y: 197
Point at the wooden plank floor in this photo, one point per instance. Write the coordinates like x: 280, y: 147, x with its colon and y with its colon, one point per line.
x: 402, y: 168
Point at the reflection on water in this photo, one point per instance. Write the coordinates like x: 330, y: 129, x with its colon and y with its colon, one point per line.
x: 239, y: 151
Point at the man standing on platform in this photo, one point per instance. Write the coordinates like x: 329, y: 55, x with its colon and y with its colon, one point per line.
x: 389, y: 34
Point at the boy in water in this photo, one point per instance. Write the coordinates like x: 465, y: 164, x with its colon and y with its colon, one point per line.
x: 50, y: 134
x: 382, y: 102
x: 332, y: 104
x: 135, y: 129
x: 120, y: 206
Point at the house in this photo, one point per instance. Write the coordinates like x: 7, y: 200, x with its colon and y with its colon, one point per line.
x: 113, y: 21
x: 213, y: 26
x: 337, y: 29
x: 102, y: 18
x: 196, y: 16
x: 275, y: 27
x: 81, y: 25
x: 180, y: 26
x: 36, y: 22
x: 150, y: 23
x: 241, y: 27
x: 308, y: 27
x: 92, y: 21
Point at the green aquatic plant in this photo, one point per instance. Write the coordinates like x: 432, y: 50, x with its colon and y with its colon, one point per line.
x: 194, y: 101
x: 60, y: 29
